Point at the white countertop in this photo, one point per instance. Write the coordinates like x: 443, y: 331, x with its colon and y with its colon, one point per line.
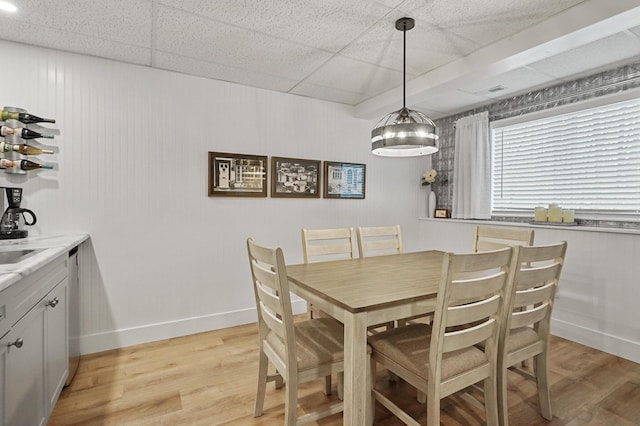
x: 52, y: 245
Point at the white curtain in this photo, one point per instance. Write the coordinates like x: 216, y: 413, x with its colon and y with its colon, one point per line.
x: 472, y: 168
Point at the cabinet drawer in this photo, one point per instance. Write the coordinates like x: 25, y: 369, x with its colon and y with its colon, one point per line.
x: 24, y: 294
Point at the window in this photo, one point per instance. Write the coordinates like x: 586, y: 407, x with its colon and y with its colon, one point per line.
x: 586, y: 160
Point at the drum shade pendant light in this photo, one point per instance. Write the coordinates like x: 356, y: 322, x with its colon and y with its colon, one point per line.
x: 404, y: 133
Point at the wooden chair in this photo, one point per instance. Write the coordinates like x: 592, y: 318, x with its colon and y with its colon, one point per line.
x: 493, y: 238
x: 444, y: 358
x: 300, y: 351
x: 379, y: 240
x: 489, y: 238
x: 320, y: 245
x: 525, y: 331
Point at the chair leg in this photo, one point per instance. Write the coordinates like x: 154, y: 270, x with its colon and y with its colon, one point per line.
x: 291, y: 403
x: 541, y: 369
x: 341, y: 386
x: 503, y: 405
x: 433, y: 407
x: 327, y: 385
x: 263, y: 368
x: 491, y: 400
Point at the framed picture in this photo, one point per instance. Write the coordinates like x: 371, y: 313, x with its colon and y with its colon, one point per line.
x: 344, y: 180
x: 237, y: 175
x: 441, y: 213
x: 294, y: 177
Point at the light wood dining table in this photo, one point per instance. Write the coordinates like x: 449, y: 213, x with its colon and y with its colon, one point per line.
x: 363, y: 292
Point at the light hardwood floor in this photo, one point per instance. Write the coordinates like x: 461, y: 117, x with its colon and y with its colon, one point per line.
x: 210, y: 378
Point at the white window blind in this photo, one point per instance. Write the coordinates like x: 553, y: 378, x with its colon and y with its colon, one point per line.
x: 587, y: 160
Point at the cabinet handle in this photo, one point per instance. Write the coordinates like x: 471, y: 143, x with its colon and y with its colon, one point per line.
x: 53, y: 302
x: 18, y: 343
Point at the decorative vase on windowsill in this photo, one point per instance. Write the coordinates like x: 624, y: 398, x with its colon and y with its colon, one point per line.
x: 432, y: 203
x: 430, y: 197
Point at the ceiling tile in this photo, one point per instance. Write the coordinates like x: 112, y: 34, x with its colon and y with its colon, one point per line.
x: 355, y: 76
x: 173, y: 62
x: 428, y: 47
x: 124, y: 21
x: 485, y: 22
x: 327, y: 93
x: 327, y: 24
x: 590, y: 57
x: 197, y: 37
x: 56, y: 39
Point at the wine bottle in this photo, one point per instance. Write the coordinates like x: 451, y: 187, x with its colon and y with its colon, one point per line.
x: 23, y: 133
x: 23, y: 149
x: 32, y: 165
x: 24, y: 117
x: 7, y: 164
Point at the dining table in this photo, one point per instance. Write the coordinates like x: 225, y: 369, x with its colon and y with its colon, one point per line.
x: 363, y: 292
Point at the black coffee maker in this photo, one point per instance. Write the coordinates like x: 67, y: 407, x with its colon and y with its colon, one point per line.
x: 13, y: 220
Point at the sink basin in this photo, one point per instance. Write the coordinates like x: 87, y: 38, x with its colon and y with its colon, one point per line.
x: 15, y: 256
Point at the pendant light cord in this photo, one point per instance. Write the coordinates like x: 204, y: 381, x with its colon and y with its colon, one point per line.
x: 404, y: 67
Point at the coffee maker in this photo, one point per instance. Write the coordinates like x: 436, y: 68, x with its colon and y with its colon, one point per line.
x: 13, y: 220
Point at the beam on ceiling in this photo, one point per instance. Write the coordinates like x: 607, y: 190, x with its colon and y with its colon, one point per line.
x: 579, y: 25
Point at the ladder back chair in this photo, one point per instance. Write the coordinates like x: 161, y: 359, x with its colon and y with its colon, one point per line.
x: 492, y: 238
x: 300, y: 351
x: 526, y: 327
x: 445, y: 358
x: 319, y: 245
x: 379, y: 240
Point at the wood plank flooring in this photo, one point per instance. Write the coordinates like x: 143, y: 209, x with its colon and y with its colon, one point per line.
x: 210, y: 378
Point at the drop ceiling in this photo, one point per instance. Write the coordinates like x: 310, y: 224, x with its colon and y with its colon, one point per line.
x: 461, y: 54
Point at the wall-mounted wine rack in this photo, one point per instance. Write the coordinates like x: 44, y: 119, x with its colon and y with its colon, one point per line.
x: 19, y: 140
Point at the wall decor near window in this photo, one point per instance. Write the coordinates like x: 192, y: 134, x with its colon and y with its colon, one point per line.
x: 294, y: 177
x: 237, y: 175
x: 344, y: 180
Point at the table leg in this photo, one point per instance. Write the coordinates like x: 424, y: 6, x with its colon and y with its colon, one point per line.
x: 357, y: 395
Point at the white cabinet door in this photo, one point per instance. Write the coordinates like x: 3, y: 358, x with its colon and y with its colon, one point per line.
x: 56, y: 337
x: 23, y: 353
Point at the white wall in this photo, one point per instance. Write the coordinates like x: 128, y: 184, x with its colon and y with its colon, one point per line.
x: 597, y: 299
x: 164, y: 258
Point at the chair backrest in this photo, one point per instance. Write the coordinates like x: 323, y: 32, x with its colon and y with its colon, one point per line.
x: 536, y: 276
x: 492, y: 238
x: 379, y: 240
x: 273, y: 302
x: 320, y: 245
x: 469, y: 311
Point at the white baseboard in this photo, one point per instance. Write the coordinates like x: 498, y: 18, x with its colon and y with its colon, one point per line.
x: 614, y: 345
x: 153, y: 332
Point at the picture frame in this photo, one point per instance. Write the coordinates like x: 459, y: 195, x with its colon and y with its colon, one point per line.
x: 295, y: 178
x: 441, y: 213
x: 345, y: 180
x: 237, y: 175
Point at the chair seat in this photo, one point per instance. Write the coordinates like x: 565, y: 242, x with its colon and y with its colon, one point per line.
x: 409, y: 346
x: 520, y: 338
x: 319, y: 341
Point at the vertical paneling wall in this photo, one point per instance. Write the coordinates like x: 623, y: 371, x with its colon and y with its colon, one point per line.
x: 164, y: 259
x: 598, y: 295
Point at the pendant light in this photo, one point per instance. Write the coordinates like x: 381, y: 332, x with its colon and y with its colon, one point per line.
x: 405, y: 132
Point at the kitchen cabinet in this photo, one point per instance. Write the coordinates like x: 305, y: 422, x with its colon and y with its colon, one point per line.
x: 34, y: 352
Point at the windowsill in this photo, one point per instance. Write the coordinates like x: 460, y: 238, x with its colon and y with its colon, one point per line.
x: 582, y: 228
